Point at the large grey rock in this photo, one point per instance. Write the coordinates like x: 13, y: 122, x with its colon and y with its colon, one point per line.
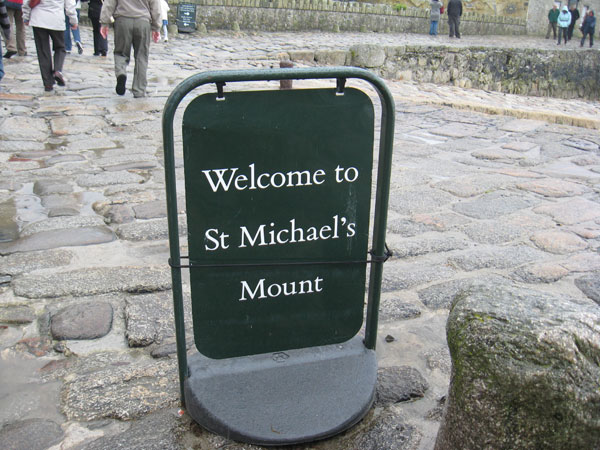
x: 524, y: 371
x: 90, y: 320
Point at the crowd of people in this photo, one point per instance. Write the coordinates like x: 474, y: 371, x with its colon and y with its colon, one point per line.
x: 136, y: 22
x: 565, y: 21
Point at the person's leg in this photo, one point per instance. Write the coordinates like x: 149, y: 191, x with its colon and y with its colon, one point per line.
x: 560, y: 32
x: 11, y: 42
x: 42, y: 45
x: 58, y: 47
x: 67, y: 35
x: 141, y: 48
x: 591, y: 39
x: 165, y: 28
x: 122, y: 52
x: 457, y: 27
x: 451, y: 25
x: 554, y: 29
x: 431, y: 27
x: 1, y: 62
x: 435, y: 28
x: 582, y: 40
x: 77, y: 35
x: 548, y: 30
x: 20, y: 32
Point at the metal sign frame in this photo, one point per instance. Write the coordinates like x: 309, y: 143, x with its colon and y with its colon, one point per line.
x: 378, y: 251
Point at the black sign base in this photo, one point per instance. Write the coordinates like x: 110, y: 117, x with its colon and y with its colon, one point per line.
x: 285, y: 397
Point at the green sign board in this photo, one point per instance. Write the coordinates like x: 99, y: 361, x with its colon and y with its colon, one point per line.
x: 278, y: 192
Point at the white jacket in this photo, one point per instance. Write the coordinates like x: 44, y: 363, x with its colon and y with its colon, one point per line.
x: 50, y: 14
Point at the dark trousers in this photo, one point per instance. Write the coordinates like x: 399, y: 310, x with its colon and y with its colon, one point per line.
x: 42, y: 37
x: 100, y: 44
x: 562, y: 32
x: 570, y: 32
x: 453, y: 24
x: 591, y: 33
x: 551, y: 27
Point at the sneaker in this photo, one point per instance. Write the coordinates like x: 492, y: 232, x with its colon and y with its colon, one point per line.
x: 79, y: 47
x: 120, y: 88
x: 9, y: 54
x: 59, y: 78
x: 68, y: 52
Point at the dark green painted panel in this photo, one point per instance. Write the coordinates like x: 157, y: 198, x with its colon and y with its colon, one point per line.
x: 272, y: 177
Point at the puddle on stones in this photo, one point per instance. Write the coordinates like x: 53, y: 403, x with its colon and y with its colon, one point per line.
x: 24, y: 208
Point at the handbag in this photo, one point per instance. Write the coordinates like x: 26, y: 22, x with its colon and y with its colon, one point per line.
x: 33, y: 3
x: 441, y: 8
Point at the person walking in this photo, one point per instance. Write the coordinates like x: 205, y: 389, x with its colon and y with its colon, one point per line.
x: 434, y: 16
x: 563, y: 21
x: 552, y: 19
x: 48, y: 21
x: 574, y: 17
x: 5, y: 25
x: 100, y: 42
x: 136, y: 21
x: 455, y: 11
x: 75, y: 31
x: 588, y: 27
x: 16, y: 43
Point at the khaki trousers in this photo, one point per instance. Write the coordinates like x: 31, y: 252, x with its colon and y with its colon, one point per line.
x: 16, y: 43
x: 134, y: 33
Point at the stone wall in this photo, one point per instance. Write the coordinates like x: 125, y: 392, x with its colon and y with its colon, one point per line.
x: 329, y: 15
x: 557, y: 73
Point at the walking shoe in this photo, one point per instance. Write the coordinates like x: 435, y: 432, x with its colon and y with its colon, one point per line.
x: 48, y: 88
x: 9, y: 54
x: 79, y: 47
x: 59, y: 78
x: 120, y: 88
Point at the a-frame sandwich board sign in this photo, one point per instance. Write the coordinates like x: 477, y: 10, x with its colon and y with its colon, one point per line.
x: 278, y: 204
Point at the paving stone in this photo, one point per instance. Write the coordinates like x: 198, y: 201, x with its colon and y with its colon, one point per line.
x: 45, y: 240
x: 490, y: 206
x: 558, y: 242
x: 439, y: 359
x: 441, y: 221
x: 93, y: 281
x: 17, y: 315
x: 61, y: 159
x: 472, y: 185
x: 432, y: 243
x: 520, y: 146
x: 550, y: 187
x: 590, y: 285
x: 151, y: 210
x: 30, y: 434
x: 493, y: 232
x: 585, y: 262
x: 397, y: 308
x: 139, y: 165
x: 496, y: 257
x: 571, y: 212
x: 582, y: 144
x: 61, y: 223
x: 391, y: 431
x: 19, y: 263
x: 90, y: 320
x: 148, y: 230
x: 399, y: 384
x: 13, y: 129
x: 75, y: 125
x: 108, y: 178
x: 115, y: 392
x: 455, y: 130
x: 149, y: 318
x: 522, y: 126
x: 408, y: 228
x: 398, y: 275
x: 418, y: 201
x: 540, y: 273
x: 48, y: 187
x: 161, y: 430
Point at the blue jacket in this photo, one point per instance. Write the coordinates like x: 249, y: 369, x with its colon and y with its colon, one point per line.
x: 564, y: 18
x: 589, y: 24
